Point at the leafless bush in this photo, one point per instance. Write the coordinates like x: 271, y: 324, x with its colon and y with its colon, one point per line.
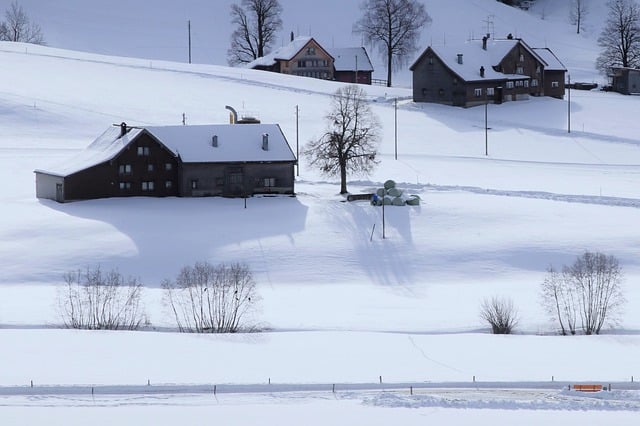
x: 589, y: 290
x: 95, y: 300
x: 500, y: 314
x: 212, y: 299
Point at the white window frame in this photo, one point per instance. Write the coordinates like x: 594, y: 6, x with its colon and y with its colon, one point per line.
x: 491, y: 91
x: 478, y: 92
x: 509, y: 84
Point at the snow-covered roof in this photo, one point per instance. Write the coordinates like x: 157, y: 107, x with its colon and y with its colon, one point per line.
x: 345, y: 59
x: 236, y: 142
x: 475, y: 57
x: 552, y: 61
x: 285, y: 53
x: 104, y: 148
x: 239, y: 142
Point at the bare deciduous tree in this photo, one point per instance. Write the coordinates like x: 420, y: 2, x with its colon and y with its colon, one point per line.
x: 578, y: 11
x: 394, y: 27
x: 256, y: 23
x: 351, y: 141
x: 95, y: 300
x: 17, y: 26
x: 212, y: 299
x: 590, y: 289
x: 560, y: 301
x: 500, y: 314
x: 620, y: 38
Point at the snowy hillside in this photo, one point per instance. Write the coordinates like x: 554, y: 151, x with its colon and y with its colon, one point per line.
x: 339, y: 304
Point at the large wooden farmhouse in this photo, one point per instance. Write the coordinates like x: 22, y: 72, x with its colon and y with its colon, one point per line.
x: 486, y: 70
x: 305, y: 57
x: 186, y: 161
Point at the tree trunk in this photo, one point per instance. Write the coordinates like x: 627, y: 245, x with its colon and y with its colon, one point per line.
x: 389, y: 64
x: 343, y: 177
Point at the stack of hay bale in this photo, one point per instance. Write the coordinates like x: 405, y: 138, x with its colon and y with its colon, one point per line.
x: 392, y: 196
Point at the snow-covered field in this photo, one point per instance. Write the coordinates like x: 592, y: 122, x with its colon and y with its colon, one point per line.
x: 340, y: 304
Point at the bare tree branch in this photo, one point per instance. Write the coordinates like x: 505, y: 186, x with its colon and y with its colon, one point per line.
x: 256, y: 25
x: 393, y: 26
x: 18, y: 28
x: 351, y: 141
x: 212, y: 299
x: 620, y: 38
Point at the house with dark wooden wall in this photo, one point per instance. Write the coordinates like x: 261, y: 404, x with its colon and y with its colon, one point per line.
x: 186, y: 161
x: 625, y: 80
x: 305, y: 57
x: 486, y: 70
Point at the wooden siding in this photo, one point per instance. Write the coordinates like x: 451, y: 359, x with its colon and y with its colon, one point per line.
x: 237, y: 179
x: 364, y: 77
x: 550, y: 88
x: 433, y: 81
x: 521, y: 61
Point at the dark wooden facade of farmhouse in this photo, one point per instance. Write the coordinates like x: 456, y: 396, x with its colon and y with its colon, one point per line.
x: 187, y: 161
x: 625, y: 80
x: 493, y: 71
x: 305, y: 57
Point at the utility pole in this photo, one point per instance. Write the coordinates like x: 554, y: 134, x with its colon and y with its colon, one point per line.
x: 569, y: 107
x: 356, y: 82
x: 383, y: 226
x: 395, y: 104
x: 189, y: 31
x: 297, y: 142
x: 486, y: 127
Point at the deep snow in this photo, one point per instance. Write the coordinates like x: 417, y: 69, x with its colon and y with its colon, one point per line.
x: 341, y: 304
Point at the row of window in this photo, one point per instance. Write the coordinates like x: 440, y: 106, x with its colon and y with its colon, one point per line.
x: 314, y: 74
x: 237, y: 180
x: 127, y: 169
x: 146, y: 185
x: 313, y: 63
x: 511, y: 85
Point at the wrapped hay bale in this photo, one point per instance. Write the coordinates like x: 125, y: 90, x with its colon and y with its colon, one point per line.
x: 397, y: 201
x: 394, y: 192
x: 389, y: 184
x: 413, y: 200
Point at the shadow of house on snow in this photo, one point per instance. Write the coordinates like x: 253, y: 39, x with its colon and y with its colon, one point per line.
x: 170, y: 233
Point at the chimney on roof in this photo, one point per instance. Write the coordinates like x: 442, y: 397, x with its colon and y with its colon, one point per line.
x: 460, y: 58
x: 292, y: 36
x: 484, y: 42
x: 265, y: 142
x: 214, y: 141
x: 482, y: 72
x: 233, y: 115
x: 510, y: 36
x: 123, y: 129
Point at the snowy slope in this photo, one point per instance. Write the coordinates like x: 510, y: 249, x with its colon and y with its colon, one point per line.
x: 342, y: 304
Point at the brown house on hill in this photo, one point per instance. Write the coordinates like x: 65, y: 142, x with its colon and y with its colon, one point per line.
x: 305, y: 57
x: 486, y: 70
x: 187, y: 161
